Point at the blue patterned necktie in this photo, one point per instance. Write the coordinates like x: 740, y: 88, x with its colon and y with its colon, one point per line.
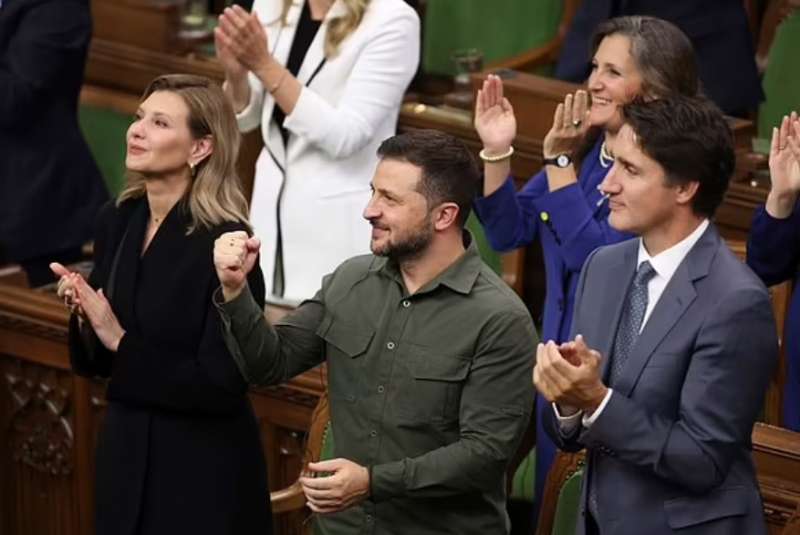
x: 631, y: 321
x: 627, y: 332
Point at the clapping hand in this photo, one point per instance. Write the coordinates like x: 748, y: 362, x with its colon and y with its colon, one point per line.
x: 494, y: 117
x: 235, y: 254
x: 784, y: 167
x: 66, y: 288
x: 569, y: 125
x: 241, y: 42
x: 569, y: 375
x: 98, y: 311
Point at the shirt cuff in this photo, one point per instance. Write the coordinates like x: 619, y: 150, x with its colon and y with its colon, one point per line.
x: 567, y: 424
x: 588, y: 419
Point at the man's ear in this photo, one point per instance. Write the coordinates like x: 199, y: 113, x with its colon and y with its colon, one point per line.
x: 686, y: 192
x: 201, y: 149
x: 445, y: 216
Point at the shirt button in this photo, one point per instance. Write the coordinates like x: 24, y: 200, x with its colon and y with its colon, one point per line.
x: 390, y: 346
x: 373, y: 433
x: 369, y: 518
x: 381, y: 389
x: 406, y: 303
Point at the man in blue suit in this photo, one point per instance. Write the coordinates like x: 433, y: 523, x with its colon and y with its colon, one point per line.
x: 674, y: 342
x: 719, y: 32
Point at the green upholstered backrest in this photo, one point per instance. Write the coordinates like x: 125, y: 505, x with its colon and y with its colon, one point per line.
x: 104, y: 130
x: 524, y: 482
x: 499, y: 29
x: 326, y: 451
x: 567, y: 508
x: 489, y: 255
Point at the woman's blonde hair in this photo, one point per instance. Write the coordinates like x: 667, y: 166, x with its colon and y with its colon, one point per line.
x: 215, y: 193
x: 339, y: 27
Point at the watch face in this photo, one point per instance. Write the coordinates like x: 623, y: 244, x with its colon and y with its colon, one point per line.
x: 562, y: 160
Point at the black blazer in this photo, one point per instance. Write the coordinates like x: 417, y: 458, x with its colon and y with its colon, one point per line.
x: 179, y: 450
x: 718, y: 30
x: 50, y: 187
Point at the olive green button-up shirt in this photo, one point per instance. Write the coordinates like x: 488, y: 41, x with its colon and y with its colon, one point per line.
x: 431, y: 391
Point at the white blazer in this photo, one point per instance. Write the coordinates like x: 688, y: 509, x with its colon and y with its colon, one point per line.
x: 312, y: 192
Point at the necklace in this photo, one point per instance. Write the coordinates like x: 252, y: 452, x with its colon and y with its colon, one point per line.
x: 605, y: 158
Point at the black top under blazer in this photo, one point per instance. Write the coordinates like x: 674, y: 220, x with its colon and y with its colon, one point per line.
x: 179, y: 450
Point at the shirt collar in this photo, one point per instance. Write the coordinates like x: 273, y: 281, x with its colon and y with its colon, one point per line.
x: 666, y: 262
x: 460, y: 276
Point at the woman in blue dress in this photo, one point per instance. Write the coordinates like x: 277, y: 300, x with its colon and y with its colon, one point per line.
x: 633, y: 57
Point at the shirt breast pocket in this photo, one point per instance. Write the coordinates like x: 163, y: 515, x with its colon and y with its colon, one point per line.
x: 435, y: 381
x: 344, y: 345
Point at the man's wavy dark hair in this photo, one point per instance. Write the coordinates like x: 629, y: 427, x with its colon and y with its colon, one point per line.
x: 449, y: 171
x: 691, y: 139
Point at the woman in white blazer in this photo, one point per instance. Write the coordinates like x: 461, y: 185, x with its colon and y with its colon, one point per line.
x: 343, y: 98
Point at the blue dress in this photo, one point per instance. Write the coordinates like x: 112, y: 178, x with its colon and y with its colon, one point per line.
x: 773, y: 252
x: 570, y: 225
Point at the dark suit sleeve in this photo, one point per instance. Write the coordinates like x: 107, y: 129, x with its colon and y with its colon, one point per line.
x: 570, y: 443
x: 46, y: 50
x: 773, y: 247
x: 734, y: 355
x: 207, y: 381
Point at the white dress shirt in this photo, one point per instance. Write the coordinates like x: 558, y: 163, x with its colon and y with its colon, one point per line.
x: 665, y: 265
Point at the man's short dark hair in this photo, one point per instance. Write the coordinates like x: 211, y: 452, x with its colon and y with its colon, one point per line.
x: 449, y: 171
x: 690, y: 138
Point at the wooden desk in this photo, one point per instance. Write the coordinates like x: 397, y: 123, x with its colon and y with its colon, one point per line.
x: 49, y: 421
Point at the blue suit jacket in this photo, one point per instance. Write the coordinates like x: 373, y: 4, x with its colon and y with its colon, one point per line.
x: 718, y: 30
x: 773, y: 251
x: 671, y: 449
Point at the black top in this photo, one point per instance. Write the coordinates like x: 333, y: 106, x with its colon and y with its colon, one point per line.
x: 179, y: 449
x: 306, y: 31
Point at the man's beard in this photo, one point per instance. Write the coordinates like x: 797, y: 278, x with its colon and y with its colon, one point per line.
x: 408, y: 248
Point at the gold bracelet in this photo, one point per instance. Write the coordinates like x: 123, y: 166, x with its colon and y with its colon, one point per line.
x: 274, y: 87
x: 498, y: 158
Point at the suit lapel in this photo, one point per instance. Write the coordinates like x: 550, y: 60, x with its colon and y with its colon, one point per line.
x: 679, y: 294
x: 614, y: 296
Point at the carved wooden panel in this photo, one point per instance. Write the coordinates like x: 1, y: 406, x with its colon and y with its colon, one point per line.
x: 38, y: 454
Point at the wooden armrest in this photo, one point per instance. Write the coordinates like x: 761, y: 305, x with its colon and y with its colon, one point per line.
x: 289, y: 499
x: 530, y: 59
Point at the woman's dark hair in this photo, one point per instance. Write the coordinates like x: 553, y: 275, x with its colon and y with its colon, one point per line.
x: 663, y: 55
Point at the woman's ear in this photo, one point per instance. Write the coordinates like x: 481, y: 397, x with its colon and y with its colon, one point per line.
x: 201, y: 149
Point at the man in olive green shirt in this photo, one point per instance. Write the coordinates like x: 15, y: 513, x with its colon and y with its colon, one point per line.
x: 429, y: 355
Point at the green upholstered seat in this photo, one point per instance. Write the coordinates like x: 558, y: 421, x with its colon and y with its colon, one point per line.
x: 567, y: 508
x: 105, y: 130
x: 524, y: 482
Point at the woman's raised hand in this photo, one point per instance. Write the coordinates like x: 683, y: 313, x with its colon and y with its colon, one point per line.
x: 494, y: 117
x: 784, y: 156
x: 569, y: 125
x: 240, y: 38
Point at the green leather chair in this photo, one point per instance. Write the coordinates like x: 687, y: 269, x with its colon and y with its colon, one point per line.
x: 567, y: 508
x: 105, y: 130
